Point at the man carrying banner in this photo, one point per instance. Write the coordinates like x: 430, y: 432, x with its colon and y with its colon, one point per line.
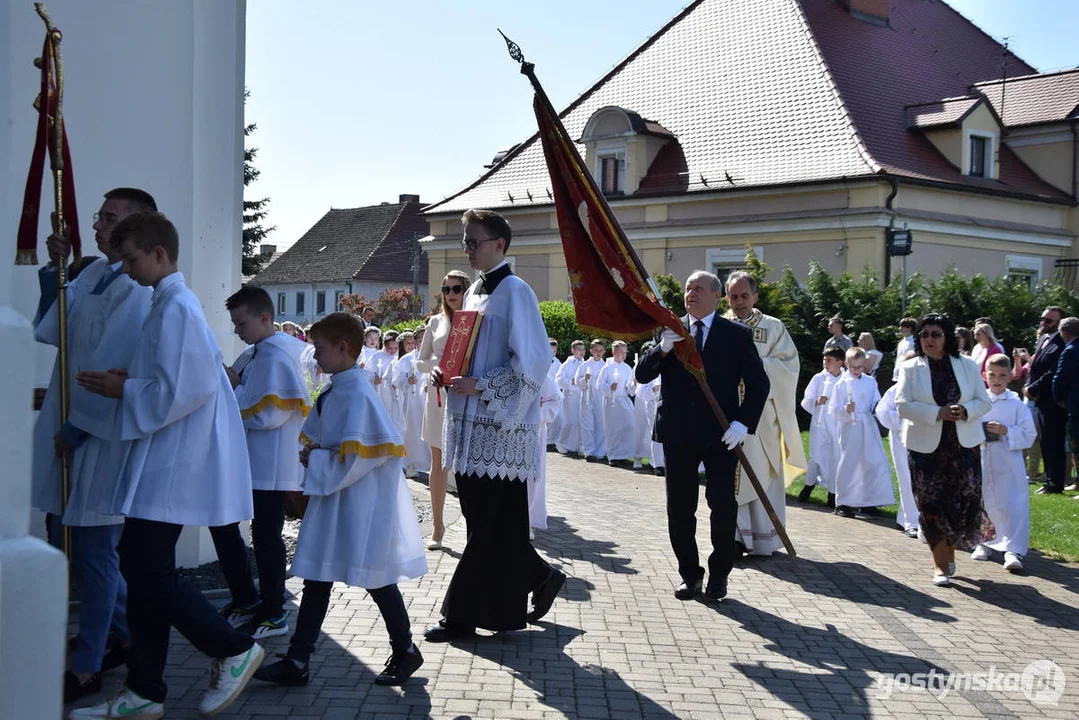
x: 490, y: 443
x: 775, y: 449
x: 688, y: 429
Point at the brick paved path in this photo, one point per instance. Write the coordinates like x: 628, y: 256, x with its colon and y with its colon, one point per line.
x: 802, y: 637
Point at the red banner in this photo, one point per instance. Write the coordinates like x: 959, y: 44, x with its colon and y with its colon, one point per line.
x: 26, y: 246
x: 612, y: 295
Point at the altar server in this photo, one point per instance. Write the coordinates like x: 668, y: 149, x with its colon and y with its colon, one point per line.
x: 408, y: 385
x: 271, y: 390
x: 593, y: 438
x: 105, y: 311
x: 642, y: 428
x: 382, y: 364
x: 823, y: 446
x: 888, y: 415
x: 550, y: 410
x: 181, y: 428
x: 360, y: 527
x: 614, y: 382
x: 554, y: 428
x: 569, y: 439
x: 863, y: 478
x: 1009, y: 430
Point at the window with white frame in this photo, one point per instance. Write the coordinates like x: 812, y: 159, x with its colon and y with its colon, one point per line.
x: 1026, y: 269
x: 723, y: 261
x: 611, y: 171
x: 300, y: 298
x: 281, y: 303
x: 320, y: 302
x: 980, y: 155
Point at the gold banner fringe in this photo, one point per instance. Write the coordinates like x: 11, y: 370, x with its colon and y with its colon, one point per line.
x: 26, y: 257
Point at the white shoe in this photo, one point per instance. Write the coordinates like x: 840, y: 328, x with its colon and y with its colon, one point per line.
x: 981, y: 553
x: 126, y: 704
x: 921, y: 536
x: 228, y: 676
x: 1012, y: 563
x: 433, y: 544
x: 637, y: 465
x: 410, y: 472
x: 942, y: 580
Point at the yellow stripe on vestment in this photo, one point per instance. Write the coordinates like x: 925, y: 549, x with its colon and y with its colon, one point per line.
x: 354, y: 447
x: 290, y: 404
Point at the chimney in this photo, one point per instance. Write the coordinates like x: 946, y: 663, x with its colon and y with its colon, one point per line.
x: 874, y: 12
x: 408, y: 198
x: 267, y: 250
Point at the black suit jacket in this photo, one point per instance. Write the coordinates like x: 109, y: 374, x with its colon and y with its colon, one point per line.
x: 1042, y: 369
x: 730, y: 356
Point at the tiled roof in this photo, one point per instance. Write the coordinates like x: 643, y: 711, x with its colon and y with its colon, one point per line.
x: 942, y: 112
x: 244, y: 279
x: 1035, y: 99
x: 369, y: 243
x: 781, y: 92
x: 740, y: 84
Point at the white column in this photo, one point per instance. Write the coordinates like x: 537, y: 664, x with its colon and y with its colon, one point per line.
x: 33, y: 576
x: 170, y: 122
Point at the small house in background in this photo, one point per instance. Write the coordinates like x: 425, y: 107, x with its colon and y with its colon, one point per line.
x: 362, y: 250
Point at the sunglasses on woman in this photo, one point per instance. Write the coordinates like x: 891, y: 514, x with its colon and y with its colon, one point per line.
x: 447, y: 289
x: 926, y: 334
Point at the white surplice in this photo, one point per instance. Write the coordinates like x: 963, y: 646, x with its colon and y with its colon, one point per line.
x: 383, y: 364
x: 185, y: 458
x: 412, y: 399
x: 274, y: 401
x: 820, y: 467
x: 1005, y: 494
x: 593, y: 440
x: 103, y: 330
x: 554, y: 428
x: 550, y: 409
x: 496, y: 431
x: 569, y: 439
x: 652, y: 401
x: 642, y: 428
x: 863, y: 476
x: 360, y: 526
x: 888, y: 415
x: 775, y: 450
x: 618, y: 417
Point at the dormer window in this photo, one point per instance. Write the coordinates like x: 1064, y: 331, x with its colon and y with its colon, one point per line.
x: 979, y: 155
x: 619, y: 148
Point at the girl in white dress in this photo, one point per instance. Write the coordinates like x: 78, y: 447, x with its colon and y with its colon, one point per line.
x: 382, y: 364
x: 409, y: 389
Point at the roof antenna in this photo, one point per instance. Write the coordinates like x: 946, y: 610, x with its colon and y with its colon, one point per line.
x: 1003, y: 89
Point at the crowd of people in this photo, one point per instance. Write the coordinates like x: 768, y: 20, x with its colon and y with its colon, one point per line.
x: 163, y: 433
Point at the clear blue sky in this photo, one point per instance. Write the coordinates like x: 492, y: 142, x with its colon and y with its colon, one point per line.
x: 359, y: 101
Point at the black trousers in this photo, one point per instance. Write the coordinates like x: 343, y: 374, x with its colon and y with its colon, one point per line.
x: 269, y: 545
x: 316, y: 603
x: 683, y: 486
x: 158, y: 599
x: 1054, y: 432
x: 498, y: 567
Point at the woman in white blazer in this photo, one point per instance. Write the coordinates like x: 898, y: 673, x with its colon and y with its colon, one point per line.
x: 941, y: 397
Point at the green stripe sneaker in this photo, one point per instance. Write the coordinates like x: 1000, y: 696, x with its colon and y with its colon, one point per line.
x: 228, y: 677
x: 125, y: 704
x: 261, y: 628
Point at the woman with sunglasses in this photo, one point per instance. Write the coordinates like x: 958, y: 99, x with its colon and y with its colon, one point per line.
x: 434, y: 415
x: 941, y: 397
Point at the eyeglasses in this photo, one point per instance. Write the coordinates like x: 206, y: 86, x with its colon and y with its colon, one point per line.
x: 106, y: 219
x: 470, y: 244
x: 447, y: 289
x: 926, y: 334
x: 1045, y: 320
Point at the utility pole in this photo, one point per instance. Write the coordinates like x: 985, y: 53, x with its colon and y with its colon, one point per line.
x: 417, y: 253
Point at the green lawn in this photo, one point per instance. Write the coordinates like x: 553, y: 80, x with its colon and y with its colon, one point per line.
x: 1054, y: 519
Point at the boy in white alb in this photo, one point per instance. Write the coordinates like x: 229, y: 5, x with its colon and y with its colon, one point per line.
x: 593, y: 439
x: 272, y: 393
x: 550, y: 410
x: 1009, y: 430
x: 569, y: 439
x: 360, y: 526
x: 888, y: 415
x: 181, y: 429
x: 863, y: 478
x: 823, y: 448
x: 614, y: 382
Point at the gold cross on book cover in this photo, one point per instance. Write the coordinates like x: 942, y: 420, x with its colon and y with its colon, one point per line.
x: 457, y: 356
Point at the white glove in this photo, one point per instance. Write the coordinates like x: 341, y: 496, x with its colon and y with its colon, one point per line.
x: 668, y: 339
x: 735, y: 434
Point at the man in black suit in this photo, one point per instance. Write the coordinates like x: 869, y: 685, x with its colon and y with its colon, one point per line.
x: 1039, y: 388
x: 690, y: 432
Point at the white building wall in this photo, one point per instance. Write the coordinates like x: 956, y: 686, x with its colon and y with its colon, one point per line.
x: 310, y: 291
x: 170, y: 122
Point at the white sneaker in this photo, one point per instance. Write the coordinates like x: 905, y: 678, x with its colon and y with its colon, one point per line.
x: 1012, y: 563
x: 228, y: 676
x: 410, y: 472
x: 125, y: 704
x: 980, y: 553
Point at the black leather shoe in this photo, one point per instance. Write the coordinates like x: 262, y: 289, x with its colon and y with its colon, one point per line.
x: 400, y: 667
x: 285, y: 671
x: 688, y: 591
x: 844, y: 511
x: 1048, y: 490
x: 661, y: 471
x: 831, y: 500
x: 543, y: 596
x: 447, y: 632
x: 75, y: 690
x: 870, y: 512
x: 715, y: 591
x: 806, y: 492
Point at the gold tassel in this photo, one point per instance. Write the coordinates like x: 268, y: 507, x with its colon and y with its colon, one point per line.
x: 26, y: 257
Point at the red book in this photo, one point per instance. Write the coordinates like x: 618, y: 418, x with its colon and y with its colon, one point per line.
x: 457, y: 357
